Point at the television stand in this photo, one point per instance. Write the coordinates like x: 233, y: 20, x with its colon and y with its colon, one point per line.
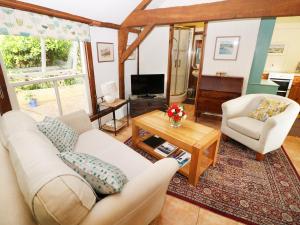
x: 140, y: 105
x: 147, y: 96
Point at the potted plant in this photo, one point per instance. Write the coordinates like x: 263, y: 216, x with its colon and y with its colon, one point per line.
x: 176, y: 113
x: 32, y: 100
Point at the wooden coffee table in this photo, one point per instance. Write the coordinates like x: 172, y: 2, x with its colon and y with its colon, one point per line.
x: 199, y: 140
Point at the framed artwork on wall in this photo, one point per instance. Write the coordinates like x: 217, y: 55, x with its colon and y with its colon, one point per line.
x: 226, y: 48
x: 105, y: 52
x: 276, y: 49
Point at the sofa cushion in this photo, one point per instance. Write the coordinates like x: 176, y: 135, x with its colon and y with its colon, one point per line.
x: 13, y: 122
x: 103, y: 177
x: 247, y: 126
x: 62, y: 136
x: 54, y: 192
x: 108, y: 149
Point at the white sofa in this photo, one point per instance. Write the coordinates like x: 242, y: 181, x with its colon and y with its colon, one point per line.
x: 38, y: 188
x: 261, y: 137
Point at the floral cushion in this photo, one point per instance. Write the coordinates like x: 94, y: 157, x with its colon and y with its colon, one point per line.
x: 62, y: 136
x: 268, y: 108
x: 103, y: 177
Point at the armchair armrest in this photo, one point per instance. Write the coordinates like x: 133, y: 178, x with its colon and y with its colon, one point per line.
x: 140, y: 200
x: 79, y: 121
x: 237, y: 107
x: 277, y: 128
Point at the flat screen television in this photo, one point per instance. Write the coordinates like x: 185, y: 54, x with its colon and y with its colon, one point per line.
x: 147, y: 84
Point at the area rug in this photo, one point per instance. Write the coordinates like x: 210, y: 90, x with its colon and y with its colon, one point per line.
x: 241, y: 188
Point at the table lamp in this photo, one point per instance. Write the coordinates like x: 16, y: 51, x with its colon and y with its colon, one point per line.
x: 109, y: 90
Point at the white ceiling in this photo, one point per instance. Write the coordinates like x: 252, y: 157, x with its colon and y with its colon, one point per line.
x: 114, y: 11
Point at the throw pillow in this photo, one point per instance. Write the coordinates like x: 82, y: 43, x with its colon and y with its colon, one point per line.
x: 63, y: 137
x: 268, y: 108
x: 103, y: 177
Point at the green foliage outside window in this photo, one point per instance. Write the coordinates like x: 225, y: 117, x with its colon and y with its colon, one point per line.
x: 25, y: 52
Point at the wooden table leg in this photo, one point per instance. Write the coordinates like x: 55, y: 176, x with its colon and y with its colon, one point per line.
x: 194, y: 172
x: 135, y: 134
x: 215, y: 149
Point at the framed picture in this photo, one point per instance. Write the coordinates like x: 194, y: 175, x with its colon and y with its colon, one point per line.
x: 105, y: 52
x: 132, y: 56
x: 227, y: 48
x: 276, y: 49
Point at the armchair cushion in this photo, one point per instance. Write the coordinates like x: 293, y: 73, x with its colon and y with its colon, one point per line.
x: 247, y: 126
x: 267, y: 108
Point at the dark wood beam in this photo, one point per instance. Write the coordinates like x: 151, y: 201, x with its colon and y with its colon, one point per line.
x: 105, y: 24
x: 91, y: 76
x: 232, y: 9
x: 122, y: 41
x: 171, y: 38
x: 137, y: 42
x: 5, y: 104
x: 200, y: 71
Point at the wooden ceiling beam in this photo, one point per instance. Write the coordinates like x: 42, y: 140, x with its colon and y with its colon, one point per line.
x: 137, y: 42
x: 143, y: 5
x: 231, y: 9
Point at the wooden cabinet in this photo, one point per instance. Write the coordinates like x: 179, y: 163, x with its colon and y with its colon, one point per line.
x: 215, y: 90
x: 295, y: 90
x: 139, y: 106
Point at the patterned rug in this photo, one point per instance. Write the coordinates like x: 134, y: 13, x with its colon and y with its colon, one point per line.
x: 242, y: 188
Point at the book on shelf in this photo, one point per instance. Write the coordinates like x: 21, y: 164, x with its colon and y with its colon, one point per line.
x: 165, y: 149
x: 182, y: 157
x: 154, y: 141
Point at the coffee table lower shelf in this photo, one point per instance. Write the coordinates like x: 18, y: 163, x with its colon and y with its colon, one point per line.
x: 205, y: 161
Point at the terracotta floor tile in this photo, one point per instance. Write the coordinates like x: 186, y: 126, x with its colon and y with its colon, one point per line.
x: 178, y: 212
x: 207, y: 217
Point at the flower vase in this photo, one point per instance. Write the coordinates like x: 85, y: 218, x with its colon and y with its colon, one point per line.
x: 175, y: 124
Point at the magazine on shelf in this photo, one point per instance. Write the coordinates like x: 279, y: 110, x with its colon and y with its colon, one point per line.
x: 182, y: 157
x: 165, y: 149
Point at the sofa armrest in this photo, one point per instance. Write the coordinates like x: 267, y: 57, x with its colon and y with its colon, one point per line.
x: 141, y: 198
x: 79, y: 121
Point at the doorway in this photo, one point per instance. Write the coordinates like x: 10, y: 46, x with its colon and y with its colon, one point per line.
x: 185, y: 57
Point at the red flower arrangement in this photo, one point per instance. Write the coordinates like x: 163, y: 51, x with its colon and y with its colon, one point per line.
x: 176, y: 113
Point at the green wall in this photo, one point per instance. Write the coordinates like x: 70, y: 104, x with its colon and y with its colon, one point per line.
x: 260, y: 57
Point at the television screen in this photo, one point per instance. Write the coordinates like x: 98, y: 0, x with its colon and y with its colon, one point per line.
x: 144, y: 84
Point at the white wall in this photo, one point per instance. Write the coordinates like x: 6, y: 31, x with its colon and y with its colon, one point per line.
x: 248, y: 31
x: 286, y: 32
x: 108, y: 71
x: 154, y: 52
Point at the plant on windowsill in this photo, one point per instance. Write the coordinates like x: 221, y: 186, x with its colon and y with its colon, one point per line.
x: 176, y: 113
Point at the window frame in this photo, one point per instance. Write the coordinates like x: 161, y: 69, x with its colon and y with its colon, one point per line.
x: 85, y: 75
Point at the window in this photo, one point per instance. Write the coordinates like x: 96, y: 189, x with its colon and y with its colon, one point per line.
x: 49, y: 75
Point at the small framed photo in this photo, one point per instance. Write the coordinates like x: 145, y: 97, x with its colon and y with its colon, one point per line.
x: 276, y: 49
x: 105, y: 52
x: 133, y: 55
x: 227, y: 48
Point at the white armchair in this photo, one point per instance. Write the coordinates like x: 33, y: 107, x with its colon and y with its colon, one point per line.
x: 261, y: 137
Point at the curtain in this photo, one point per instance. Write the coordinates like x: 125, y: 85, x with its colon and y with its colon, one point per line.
x: 21, y: 23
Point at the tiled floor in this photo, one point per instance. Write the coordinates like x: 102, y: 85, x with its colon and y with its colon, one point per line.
x: 179, y: 212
